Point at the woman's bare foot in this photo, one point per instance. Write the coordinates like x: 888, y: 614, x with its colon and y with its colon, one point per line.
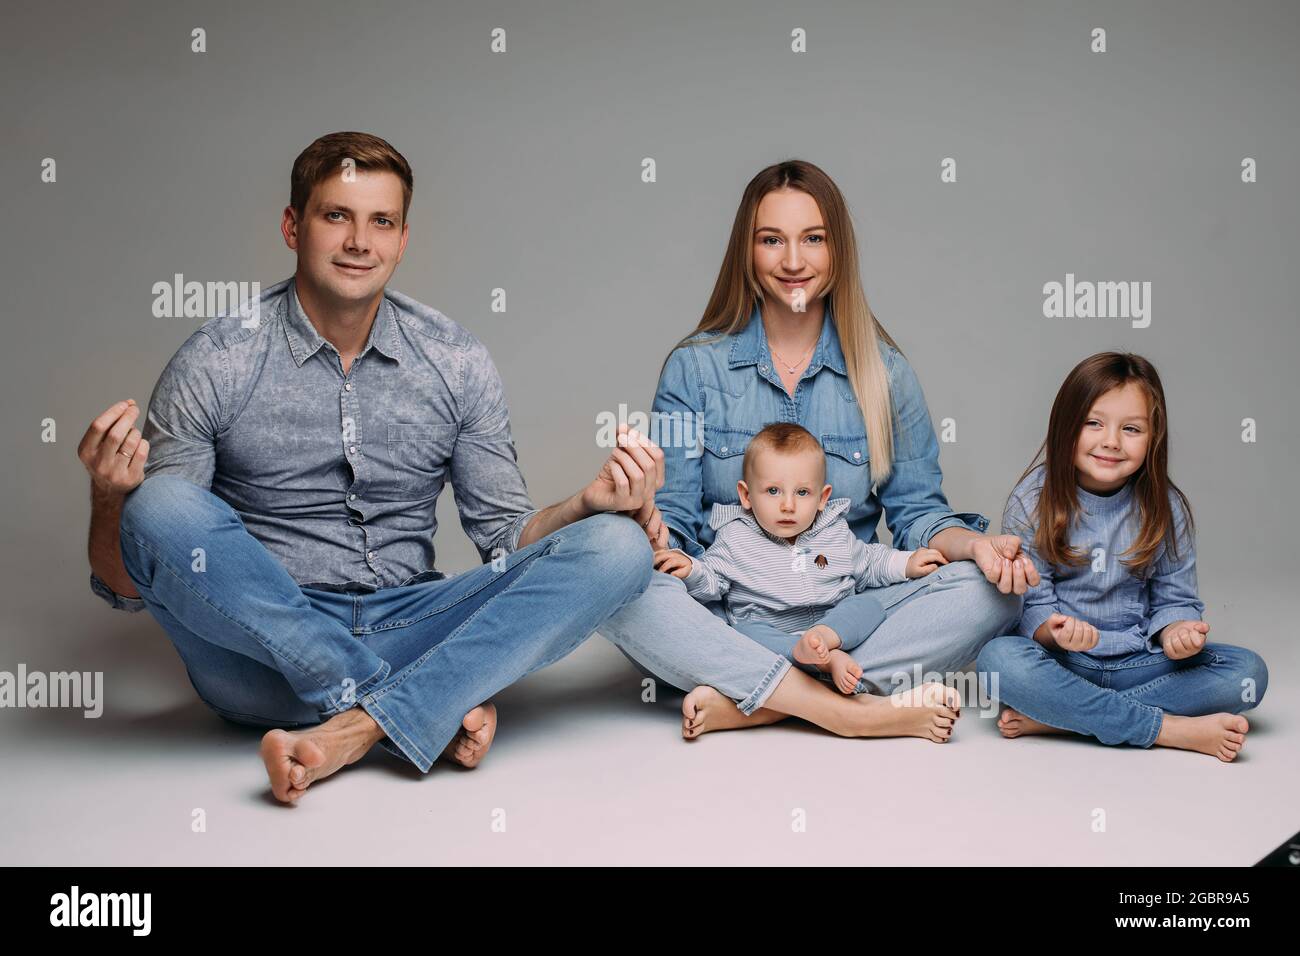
x: 815, y: 646
x: 297, y: 758
x: 705, y: 710
x: 1013, y: 723
x: 845, y: 672
x: 1219, y: 735
x: 471, y: 744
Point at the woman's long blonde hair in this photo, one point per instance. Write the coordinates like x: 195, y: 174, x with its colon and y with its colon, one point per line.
x: 737, y: 291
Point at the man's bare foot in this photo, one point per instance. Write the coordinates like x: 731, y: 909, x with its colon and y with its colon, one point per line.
x: 705, y: 710
x: 1219, y: 735
x: 471, y: 744
x: 845, y: 672
x: 815, y: 646
x: 1013, y: 723
x: 297, y: 758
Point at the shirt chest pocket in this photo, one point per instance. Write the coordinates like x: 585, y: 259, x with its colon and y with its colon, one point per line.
x: 848, y: 469
x: 724, y: 455
x: 418, y: 456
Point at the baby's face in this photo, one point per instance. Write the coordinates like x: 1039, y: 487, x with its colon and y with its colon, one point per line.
x: 787, y: 491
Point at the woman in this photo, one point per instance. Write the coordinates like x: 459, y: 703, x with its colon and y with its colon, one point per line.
x: 788, y: 336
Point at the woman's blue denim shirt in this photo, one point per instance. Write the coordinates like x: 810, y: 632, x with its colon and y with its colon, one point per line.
x: 728, y: 390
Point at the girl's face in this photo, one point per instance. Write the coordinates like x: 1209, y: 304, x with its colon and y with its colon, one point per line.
x: 1114, y: 439
x: 791, y: 257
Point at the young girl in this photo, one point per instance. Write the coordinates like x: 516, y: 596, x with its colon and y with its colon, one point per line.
x: 1111, y: 641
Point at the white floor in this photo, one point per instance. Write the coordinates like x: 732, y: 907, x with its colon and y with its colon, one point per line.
x: 583, y: 772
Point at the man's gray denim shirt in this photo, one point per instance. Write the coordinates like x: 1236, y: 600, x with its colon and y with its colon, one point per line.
x: 339, y: 475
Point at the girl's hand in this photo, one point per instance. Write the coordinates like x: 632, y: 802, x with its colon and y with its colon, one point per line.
x: 1072, y: 634
x: 1003, y: 562
x: 1183, y: 639
x: 923, y: 561
x: 674, y: 562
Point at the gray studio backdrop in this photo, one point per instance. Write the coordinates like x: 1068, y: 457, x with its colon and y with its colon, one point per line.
x: 1115, y: 166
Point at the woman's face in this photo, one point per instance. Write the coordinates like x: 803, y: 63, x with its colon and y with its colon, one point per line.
x: 790, y: 244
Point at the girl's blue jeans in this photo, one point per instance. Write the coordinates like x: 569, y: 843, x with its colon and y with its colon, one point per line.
x: 1120, y: 699
x: 262, y: 650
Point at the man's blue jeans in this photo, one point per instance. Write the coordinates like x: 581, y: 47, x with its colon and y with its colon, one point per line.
x: 262, y: 650
x: 1120, y: 699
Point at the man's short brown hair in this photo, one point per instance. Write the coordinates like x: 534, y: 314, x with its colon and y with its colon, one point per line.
x: 325, y: 157
x: 784, y: 437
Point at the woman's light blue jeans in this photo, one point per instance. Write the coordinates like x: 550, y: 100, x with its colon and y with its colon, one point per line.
x: 1120, y: 699
x: 262, y: 650
x: 933, y: 624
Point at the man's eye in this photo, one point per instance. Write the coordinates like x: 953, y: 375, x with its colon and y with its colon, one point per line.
x: 333, y: 212
x: 388, y: 222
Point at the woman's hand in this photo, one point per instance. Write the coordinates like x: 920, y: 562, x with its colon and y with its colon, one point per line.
x: 1003, y: 562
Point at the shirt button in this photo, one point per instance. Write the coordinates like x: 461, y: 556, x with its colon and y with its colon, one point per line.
x: 762, y: 368
x: 352, y: 497
x: 352, y: 450
x: 347, y: 387
x: 857, y: 454
x: 724, y: 449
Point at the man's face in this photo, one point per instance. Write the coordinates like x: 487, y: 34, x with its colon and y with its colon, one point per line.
x: 787, y: 491
x: 351, y: 235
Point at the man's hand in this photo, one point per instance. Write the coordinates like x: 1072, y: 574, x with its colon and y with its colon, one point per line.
x: 113, y: 451
x: 1183, y: 639
x: 629, y: 478
x: 923, y: 561
x: 674, y: 562
x: 1003, y: 562
x: 1069, y: 633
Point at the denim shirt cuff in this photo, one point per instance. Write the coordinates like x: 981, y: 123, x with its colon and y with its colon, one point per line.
x: 115, y: 600
x: 682, y: 543
x: 938, y: 521
x: 517, y: 528
x: 1031, y: 618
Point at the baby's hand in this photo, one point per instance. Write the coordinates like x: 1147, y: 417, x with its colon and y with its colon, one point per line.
x: 672, y: 561
x: 1071, y: 634
x: 1183, y: 639
x: 923, y: 561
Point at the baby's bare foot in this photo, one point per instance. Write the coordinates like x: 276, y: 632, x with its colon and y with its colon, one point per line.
x: 471, y: 743
x: 845, y: 672
x: 297, y: 758
x: 1013, y: 723
x: 1219, y: 735
x: 815, y: 646
x: 705, y: 710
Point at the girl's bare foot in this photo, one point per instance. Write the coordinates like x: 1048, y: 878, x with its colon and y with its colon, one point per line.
x: 1219, y: 735
x: 1013, y: 723
x: 815, y: 646
x: 704, y: 710
x: 845, y: 672
x: 297, y: 758
x: 471, y: 744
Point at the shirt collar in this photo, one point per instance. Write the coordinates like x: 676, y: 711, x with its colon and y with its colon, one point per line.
x: 304, y: 340
x: 750, y: 345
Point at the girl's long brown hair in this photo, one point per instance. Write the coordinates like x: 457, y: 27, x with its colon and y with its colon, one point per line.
x: 1058, y: 504
x: 737, y: 291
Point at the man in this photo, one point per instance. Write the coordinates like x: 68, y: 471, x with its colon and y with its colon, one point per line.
x: 277, y: 512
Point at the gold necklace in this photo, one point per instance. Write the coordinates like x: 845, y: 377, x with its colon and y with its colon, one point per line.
x: 790, y: 369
